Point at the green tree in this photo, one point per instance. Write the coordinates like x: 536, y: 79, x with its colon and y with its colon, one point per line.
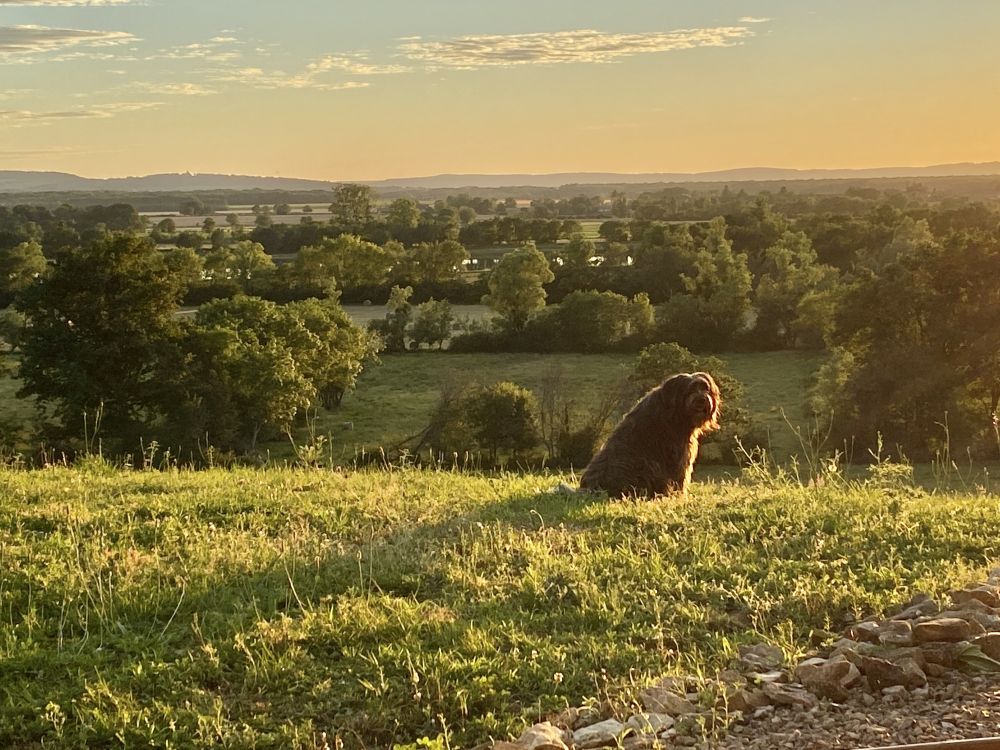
x: 328, y: 347
x: 20, y: 267
x: 352, y: 205
x: 282, y: 209
x: 619, y: 204
x: 438, y: 261
x: 714, y: 306
x: 241, y: 378
x: 357, y: 262
x: 249, y: 261
x: 915, y: 352
x: 219, y: 238
x: 614, y: 231
x: 192, y: 207
x: 11, y: 329
x: 791, y: 273
x: 594, y: 321
x: 403, y: 216
x: 98, y: 326
x: 433, y: 323
x: 244, y: 262
x: 185, y: 265
x: 190, y: 239
x: 663, y: 255
x: 466, y: 215
x: 614, y: 254
x: 254, y: 366
x: 394, y: 326
x: 502, y: 417
x: 910, y: 238
x: 578, y: 252
x: 315, y: 266
x: 516, y: 285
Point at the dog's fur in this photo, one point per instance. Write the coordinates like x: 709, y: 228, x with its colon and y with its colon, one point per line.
x: 653, y: 448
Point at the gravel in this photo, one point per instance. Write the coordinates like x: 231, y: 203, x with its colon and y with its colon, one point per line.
x: 951, y: 708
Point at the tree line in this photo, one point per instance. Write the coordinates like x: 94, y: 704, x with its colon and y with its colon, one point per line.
x: 903, y: 295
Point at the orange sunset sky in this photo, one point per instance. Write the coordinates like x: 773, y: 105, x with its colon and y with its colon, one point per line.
x: 385, y: 88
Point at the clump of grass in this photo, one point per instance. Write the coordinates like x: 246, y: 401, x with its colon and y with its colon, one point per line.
x: 309, y: 608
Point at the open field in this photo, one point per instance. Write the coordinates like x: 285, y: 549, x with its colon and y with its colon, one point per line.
x: 246, y: 216
x: 263, y: 608
x: 364, y: 314
x: 394, y: 400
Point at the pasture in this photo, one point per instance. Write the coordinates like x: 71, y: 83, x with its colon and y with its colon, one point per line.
x: 364, y: 314
x: 395, y: 399
x: 309, y: 608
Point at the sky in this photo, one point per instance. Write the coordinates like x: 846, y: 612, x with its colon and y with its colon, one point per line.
x: 374, y: 89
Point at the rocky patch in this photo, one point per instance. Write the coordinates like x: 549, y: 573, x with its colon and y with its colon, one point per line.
x: 921, y: 675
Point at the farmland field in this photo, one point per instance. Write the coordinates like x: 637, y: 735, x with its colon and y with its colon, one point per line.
x: 363, y: 314
x: 269, y: 608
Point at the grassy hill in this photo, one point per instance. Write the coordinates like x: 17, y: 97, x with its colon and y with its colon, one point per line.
x: 264, y: 608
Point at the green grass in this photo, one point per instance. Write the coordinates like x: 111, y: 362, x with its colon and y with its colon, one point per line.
x: 17, y: 415
x: 265, y: 608
x: 591, y: 227
x: 362, y: 315
x: 394, y: 400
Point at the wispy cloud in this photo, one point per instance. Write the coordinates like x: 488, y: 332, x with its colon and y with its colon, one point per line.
x: 11, y: 93
x: 316, y: 76
x: 22, y: 43
x: 355, y: 63
x: 753, y: 19
x: 99, y: 111
x: 172, y: 89
x: 216, y: 49
x: 581, y: 46
x: 261, y: 79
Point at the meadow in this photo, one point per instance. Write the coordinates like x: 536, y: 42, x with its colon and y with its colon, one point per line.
x: 296, y: 608
x: 394, y: 399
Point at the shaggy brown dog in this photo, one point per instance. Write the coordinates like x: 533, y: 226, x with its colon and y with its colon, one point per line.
x: 652, y: 450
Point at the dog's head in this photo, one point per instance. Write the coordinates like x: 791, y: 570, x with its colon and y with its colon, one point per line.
x: 696, y: 399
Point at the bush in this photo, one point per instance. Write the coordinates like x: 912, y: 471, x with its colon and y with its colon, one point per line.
x: 503, y: 417
x: 498, y: 418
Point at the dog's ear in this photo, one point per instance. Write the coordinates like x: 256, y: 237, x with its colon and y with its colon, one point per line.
x: 673, y: 393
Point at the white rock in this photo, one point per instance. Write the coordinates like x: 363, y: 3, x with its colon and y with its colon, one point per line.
x: 651, y: 723
x: 542, y: 736
x: 602, y: 734
x: 762, y: 657
x: 662, y: 701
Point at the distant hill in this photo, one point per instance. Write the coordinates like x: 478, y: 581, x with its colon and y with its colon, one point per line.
x: 35, y: 182
x: 748, y: 174
x: 39, y: 182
